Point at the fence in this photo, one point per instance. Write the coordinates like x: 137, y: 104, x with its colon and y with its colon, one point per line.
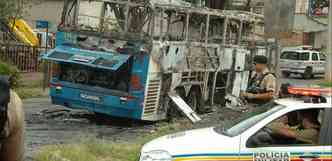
x: 25, y: 57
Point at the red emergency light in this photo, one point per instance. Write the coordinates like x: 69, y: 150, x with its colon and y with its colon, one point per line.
x: 309, y: 48
x: 305, y: 91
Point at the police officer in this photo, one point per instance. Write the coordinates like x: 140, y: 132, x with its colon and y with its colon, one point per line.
x: 11, y: 123
x: 262, y: 86
x: 307, y: 132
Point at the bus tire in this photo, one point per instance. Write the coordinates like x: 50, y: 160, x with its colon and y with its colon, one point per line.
x: 192, y: 100
x: 195, y: 101
x: 173, y: 111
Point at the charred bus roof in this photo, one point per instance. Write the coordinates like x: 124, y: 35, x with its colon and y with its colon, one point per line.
x: 126, y: 20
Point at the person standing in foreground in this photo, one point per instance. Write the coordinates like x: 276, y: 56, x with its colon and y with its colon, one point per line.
x: 11, y: 123
x: 262, y: 87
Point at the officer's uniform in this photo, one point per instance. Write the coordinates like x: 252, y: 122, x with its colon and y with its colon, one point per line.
x: 262, y: 83
x: 309, y: 136
x: 11, y: 124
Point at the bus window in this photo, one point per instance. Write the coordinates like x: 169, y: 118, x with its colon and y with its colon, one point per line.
x: 84, y: 75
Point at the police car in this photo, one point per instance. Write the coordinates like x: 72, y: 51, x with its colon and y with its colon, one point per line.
x: 241, y: 142
x: 302, y: 60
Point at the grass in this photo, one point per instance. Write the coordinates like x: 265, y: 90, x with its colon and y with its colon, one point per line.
x: 31, y: 86
x: 92, y: 149
x: 26, y: 93
x: 325, y: 84
x: 26, y: 85
x: 11, y: 71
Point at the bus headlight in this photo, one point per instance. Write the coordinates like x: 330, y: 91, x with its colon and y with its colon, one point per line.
x: 157, y: 155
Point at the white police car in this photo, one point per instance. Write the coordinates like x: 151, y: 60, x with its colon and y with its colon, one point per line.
x: 241, y: 142
x: 304, y: 61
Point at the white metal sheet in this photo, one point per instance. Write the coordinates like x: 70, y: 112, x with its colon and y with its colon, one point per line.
x: 184, y: 107
x: 261, y: 51
x: 237, y: 84
x: 240, y: 60
x: 245, y: 80
x: 227, y: 58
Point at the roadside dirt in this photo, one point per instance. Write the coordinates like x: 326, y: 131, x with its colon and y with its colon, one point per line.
x: 47, y: 124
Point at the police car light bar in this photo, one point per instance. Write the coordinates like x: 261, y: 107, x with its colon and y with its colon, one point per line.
x: 303, y: 91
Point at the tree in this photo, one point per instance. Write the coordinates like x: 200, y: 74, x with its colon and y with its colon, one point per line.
x: 11, y: 8
x: 193, y: 1
x: 328, y: 75
x: 227, y: 4
x: 216, y: 4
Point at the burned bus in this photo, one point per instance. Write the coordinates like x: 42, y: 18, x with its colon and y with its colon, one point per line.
x: 150, y: 60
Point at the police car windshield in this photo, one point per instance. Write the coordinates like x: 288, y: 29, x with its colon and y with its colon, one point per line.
x: 248, y: 119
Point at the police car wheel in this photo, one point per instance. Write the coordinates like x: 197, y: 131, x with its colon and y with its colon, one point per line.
x: 307, y: 74
x: 285, y: 74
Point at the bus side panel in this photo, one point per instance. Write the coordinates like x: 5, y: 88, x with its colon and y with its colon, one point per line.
x: 153, y: 110
x: 109, y: 105
x: 138, y: 80
x: 70, y: 98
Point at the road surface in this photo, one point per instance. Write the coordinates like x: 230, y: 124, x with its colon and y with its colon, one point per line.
x: 48, y: 124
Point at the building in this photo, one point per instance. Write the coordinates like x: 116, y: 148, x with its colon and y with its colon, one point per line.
x: 308, y: 29
x: 44, y: 10
x: 294, y: 22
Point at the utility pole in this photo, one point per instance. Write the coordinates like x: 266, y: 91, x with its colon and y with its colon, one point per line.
x: 328, y: 74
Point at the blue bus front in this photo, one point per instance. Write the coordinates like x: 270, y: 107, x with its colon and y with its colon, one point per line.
x: 106, y: 82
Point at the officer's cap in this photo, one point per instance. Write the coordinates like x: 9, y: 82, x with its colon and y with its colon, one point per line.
x: 260, y: 59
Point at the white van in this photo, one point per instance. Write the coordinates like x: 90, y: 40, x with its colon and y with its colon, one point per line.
x: 308, y: 63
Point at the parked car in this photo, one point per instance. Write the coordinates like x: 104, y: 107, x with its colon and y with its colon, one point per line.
x: 307, y: 63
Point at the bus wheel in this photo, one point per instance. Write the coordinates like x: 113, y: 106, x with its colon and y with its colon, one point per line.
x: 194, y: 100
x: 172, y: 110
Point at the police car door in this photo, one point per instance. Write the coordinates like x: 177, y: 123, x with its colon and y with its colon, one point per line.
x: 287, y: 152
x: 316, y: 63
x: 322, y: 59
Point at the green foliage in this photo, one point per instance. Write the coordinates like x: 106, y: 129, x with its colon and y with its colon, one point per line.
x: 12, y: 71
x: 193, y: 1
x: 33, y: 91
x: 90, y: 150
x: 197, y: 2
x: 31, y: 86
x: 325, y: 84
x: 11, y: 8
x: 24, y: 88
